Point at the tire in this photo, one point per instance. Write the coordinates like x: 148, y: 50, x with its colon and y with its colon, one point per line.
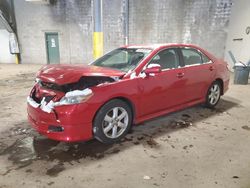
x: 112, y: 122
x: 213, y: 95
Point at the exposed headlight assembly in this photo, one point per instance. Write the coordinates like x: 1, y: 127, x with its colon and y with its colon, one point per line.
x: 75, y: 97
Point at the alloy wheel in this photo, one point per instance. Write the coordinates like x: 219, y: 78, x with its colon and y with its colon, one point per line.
x: 115, y: 122
x: 214, y: 94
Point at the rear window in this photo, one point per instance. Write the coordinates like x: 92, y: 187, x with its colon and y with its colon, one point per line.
x: 205, y: 59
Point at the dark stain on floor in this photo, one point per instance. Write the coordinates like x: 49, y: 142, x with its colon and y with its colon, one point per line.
x: 246, y: 127
x: 55, y: 170
x: 7, y: 172
x: 186, y: 116
x: 152, y: 143
x: 29, y: 170
x: 177, y: 124
x: 27, y: 147
x: 50, y: 183
x: 23, y: 146
x: 30, y: 147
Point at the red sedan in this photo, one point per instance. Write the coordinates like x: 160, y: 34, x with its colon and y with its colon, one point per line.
x: 127, y: 86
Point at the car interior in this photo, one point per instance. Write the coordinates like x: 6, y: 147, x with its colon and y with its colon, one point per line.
x: 166, y: 59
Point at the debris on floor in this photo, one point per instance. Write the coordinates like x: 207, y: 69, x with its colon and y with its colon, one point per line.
x: 152, y: 143
x: 179, y: 123
x: 146, y: 177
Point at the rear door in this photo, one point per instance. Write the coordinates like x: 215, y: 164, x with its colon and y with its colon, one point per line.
x: 199, y: 71
x: 166, y: 89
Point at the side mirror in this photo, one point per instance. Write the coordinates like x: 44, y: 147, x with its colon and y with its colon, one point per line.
x: 153, y: 69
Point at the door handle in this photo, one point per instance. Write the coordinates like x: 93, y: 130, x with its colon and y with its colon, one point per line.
x: 180, y: 75
x: 211, y: 68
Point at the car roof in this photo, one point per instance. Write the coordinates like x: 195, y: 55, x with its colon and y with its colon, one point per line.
x: 156, y: 46
x: 174, y: 45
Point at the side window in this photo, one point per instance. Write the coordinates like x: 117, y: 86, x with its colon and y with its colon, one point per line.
x: 167, y: 59
x: 191, y: 57
x: 205, y: 59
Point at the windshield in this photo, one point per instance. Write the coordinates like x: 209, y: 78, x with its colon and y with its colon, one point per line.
x: 123, y: 59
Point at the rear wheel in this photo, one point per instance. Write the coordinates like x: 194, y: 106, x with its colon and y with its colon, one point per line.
x: 112, y: 121
x: 213, y: 95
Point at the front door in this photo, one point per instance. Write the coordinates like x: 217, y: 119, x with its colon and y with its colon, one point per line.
x: 52, y: 46
x: 166, y: 89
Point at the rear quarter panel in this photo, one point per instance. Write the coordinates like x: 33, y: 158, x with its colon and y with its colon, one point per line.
x: 222, y: 72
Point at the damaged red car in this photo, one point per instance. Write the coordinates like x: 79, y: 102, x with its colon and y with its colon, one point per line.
x: 127, y: 86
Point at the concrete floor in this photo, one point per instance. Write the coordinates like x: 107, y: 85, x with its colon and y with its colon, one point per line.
x: 196, y: 147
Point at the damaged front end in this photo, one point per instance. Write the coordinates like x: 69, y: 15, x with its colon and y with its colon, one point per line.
x: 61, y: 112
x: 47, y: 95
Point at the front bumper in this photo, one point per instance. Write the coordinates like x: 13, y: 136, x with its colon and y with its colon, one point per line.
x: 75, y: 120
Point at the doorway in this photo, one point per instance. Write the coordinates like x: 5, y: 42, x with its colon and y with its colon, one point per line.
x: 52, y: 46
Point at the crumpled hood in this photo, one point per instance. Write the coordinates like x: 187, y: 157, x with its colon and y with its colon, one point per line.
x: 64, y: 74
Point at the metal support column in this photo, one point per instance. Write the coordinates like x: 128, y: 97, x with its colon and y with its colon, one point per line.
x: 125, y: 4
x: 98, y: 33
x: 17, y: 52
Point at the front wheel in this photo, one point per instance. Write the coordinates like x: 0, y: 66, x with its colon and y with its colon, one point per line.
x: 213, y: 95
x: 112, y: 121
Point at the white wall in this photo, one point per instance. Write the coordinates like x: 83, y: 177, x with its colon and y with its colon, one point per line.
x: 70, y: 18
x: 239, y: 21
x: 203, y: 22
x: 5, y: 56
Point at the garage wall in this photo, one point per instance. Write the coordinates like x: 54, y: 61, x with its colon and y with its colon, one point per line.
x: 78, y: 29
x: 71, y: 20
x: 5, y: 56
x: 113, y: 24
x: 153, y: 21
x: 202, y: 22
x: 206, y: 24
x: 238, y: 40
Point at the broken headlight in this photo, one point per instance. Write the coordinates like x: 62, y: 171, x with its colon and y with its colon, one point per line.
x: 75, y: 97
